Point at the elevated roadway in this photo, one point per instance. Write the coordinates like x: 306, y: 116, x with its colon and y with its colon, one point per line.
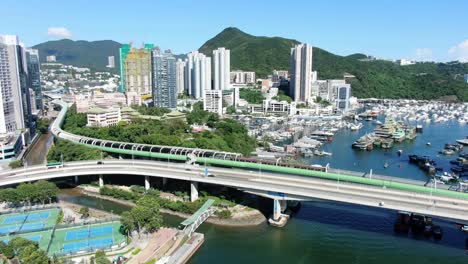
x: 277, y: 186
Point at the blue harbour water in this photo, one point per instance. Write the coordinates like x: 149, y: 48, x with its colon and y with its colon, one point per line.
x: 344, y: 157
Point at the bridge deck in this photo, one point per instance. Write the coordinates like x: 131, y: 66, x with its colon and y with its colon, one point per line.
x: 198, y: 213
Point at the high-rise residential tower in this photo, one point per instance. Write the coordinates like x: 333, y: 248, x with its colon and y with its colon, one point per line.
x: 15, y: 108
x: 136, y: 72
x: 34, y: 78
x: 197, y: 74
x: 110, y: 62
x: 301, y: 72
x: 180, y: 73
x: 221, y: 69
x: 164, y: 79
x: 124, y: 52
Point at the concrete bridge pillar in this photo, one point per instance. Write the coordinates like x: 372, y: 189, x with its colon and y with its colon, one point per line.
x: 279, y: 206
x: 76, y: 179
x: 193, y: 191
x: 101, y: 181
x: 164, y: 181
x: 147, y: 183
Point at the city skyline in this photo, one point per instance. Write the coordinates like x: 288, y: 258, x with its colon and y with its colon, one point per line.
x: 385, y: 29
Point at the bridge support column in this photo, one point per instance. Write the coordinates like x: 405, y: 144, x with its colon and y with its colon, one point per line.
x: 76, y: 179
x: 101, y: 181
x: 193, y: 191
x: 147, y: 183
x: 164, y: 181
x: 279, y: 206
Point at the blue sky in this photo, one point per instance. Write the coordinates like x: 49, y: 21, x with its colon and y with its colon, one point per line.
x: 416, y: 29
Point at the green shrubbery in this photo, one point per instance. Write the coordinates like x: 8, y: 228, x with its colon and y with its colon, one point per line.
x: 118, y: 193
x: 224, y: 214
x: 15, y: 164
x: 186, y: 207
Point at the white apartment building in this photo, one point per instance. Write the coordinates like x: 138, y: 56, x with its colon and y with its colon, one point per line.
x: 273, y: 107
x: 197, y: 74
x: 180, y: 73
x: 100, y: 117
x: 51, y: 58
x: 404, y: 62
x: 102, y: 100
x: 278, y: 75
x: 242, y: 77
x: 110, y: 62
x: 133, y: 98
x: 13, y: 83
x: 301, y: 72
x: 343, y: 94
x: 221, y: 68
x: 213, y: 101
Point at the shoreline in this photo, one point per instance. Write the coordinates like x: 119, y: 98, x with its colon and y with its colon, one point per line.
x: 254, y: 219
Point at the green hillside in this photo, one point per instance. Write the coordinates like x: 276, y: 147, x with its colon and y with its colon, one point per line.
x: 92, y: 54
x: 379, y: 78
x: 261, y: 54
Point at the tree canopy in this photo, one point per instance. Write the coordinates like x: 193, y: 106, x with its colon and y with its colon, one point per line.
x: 26, y: 251
x: 145, y: 216
x: 228, y: 135
x: 40, y: 191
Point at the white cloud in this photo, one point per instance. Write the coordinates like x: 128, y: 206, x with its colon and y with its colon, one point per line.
x: 59, y: 32
x: 459, y: 52
x: 423, y: 54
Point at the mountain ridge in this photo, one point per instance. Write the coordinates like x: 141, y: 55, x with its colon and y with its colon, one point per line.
x: 378, y: 78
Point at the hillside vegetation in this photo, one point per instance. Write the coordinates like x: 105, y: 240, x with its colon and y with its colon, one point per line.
x: 379, y: 78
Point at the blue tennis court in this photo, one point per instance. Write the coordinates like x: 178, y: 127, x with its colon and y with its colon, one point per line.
x: 101, y: 242
x: 9, y: 229
x: 75, y: 246
x: 14, y: 219
x: 76, y: 234
x: 37, y: 216
x: 87, y: 244
x: 32, y: 226
x: 92, y: 232
x: 35, y: 238
x: 100, y: 231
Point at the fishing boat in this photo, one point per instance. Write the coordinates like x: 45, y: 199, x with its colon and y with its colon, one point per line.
x: 464, y: 142
x: 356, y: 127
x: 322, y: 153
x: 447, y: 152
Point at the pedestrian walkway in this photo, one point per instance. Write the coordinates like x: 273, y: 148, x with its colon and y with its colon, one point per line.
x: 157, y: 247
